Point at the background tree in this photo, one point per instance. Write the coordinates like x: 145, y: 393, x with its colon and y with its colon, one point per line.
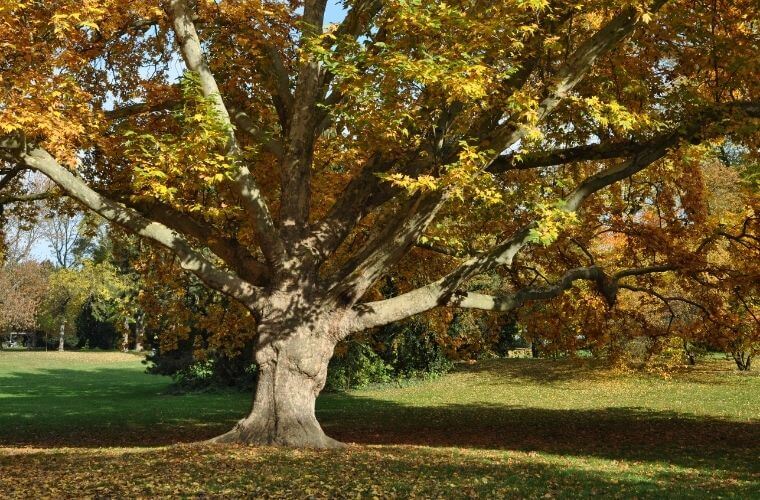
x: 94, y: 286
x: 291, y: 166
x: 19, y: 239
x: 23, y: 288
x: 61, y: 232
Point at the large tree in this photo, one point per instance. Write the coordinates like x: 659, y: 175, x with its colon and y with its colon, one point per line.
x: 290, y: 165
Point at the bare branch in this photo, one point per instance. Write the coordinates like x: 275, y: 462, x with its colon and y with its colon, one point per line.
x: 640, y: 271
x: 668, y: 300
x: 7, y: 199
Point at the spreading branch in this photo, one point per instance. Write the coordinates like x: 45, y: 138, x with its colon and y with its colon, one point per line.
x: 443, y: 290
x: 366, y: 192
x: 190, y: 259
x: 370, y: 315
x: 253, y: 199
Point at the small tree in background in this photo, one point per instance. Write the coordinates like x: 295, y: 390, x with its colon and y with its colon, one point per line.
x: 23, y: 288
x: 96, y: 286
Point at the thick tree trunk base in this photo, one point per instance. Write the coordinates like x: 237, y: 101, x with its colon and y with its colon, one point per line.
x: 291, y: 375
x: 257, y: 435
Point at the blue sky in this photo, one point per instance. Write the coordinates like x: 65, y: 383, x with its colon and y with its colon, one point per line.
x: 335, y: 12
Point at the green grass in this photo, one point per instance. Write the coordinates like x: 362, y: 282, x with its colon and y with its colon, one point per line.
x: 93, y: 424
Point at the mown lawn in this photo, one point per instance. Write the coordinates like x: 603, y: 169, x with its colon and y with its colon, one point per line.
x: 93, y: 424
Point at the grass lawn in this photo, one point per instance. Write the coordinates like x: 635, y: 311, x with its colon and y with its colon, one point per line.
x: 93, y: 424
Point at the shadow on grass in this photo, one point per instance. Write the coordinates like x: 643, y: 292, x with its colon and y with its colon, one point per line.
x: 547, y: 371
x: 635, y: 434
x: 116, y: 407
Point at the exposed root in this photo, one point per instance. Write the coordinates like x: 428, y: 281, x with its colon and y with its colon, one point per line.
x: 243, y: 434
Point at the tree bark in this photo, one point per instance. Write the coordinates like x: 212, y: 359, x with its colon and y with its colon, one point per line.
x: 125, y: 337
x: 139, y: 333
x: 292, y: 365
x: 61, y: 335
x: 743, y: 360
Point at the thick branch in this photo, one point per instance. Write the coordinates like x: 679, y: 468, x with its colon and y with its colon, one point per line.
x: 253, y: 200
x: 283, y: 99
x: 380, y: 313
x: 190, y: 259
x: 604, y: 151
x: 301, y: 134
x: 139, y: 108
x: 229, y: 250
x: 391, y: 241
x: 363, y: 194
x: 573, y: 71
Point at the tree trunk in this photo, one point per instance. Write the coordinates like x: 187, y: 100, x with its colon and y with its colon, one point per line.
x: 139, y: 334
x: 61, y: 335
x: 292, y: 373
x: 125, y: 338
x: 743, y: 360
x: 691, y: 358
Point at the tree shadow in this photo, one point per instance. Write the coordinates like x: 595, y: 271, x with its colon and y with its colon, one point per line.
x: 633, y: 434
x: 548, y: 371
x: 540, y: 371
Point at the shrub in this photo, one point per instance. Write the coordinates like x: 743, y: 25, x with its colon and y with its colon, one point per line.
x: 412, y: 350
x: 358, y: 367
x: 190, y: 374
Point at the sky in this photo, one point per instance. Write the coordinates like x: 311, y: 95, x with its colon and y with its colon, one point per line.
x: 335, y: 12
